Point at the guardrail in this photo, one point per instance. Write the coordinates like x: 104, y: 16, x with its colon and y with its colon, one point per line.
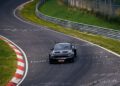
x: 115, y: 34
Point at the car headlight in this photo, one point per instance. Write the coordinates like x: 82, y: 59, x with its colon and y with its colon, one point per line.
x: 70, y: 53
x: 52, y: 55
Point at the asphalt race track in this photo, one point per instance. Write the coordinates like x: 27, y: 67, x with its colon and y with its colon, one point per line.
x: 93, y: 66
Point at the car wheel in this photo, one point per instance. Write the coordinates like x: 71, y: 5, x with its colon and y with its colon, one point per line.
x: 50, y: 61
x: 75, y: 53
x: 72, y: 60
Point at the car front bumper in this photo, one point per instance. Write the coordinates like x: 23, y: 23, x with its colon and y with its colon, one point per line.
x: 62, y: 60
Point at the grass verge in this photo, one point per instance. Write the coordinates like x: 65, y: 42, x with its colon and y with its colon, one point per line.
x: 28, y: 13
x: 76, y: 15
x: 7, y: 63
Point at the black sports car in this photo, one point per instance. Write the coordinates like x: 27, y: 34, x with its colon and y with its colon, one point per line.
x: 62, y: 52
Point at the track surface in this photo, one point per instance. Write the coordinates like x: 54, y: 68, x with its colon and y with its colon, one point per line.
x: 93, y: 67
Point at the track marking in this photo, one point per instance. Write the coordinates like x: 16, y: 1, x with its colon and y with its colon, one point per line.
x: 27, y: 22
x: 40, y: 61
x: 22, y: 66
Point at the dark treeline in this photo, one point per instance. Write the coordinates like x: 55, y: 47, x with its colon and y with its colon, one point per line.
x: 105, y: 7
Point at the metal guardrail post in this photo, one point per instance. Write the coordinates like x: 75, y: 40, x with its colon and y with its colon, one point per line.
x: 115, y: 34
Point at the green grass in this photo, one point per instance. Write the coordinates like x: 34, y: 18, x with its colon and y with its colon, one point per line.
x: 117, y: 1
x: 53, y: 8
x: 28, y: 13
x: 7, y: 63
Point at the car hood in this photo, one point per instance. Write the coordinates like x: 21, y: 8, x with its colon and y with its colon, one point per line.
x: 61, y: 52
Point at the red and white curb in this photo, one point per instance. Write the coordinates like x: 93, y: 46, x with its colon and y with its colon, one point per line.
x: 22, y: 66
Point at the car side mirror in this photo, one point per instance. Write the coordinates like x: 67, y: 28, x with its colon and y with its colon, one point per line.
x: 73, y: 47
x: 51, y: 49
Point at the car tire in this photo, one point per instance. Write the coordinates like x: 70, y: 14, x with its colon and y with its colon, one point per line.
x: 50, y: 61
x: 72, y: 60
x: 75, y: 53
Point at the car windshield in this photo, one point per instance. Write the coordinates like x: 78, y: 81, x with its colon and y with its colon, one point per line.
x: 64, y: 46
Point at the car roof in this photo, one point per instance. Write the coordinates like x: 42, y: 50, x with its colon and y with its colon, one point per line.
x: 62, y: 46
x: 64, y: 43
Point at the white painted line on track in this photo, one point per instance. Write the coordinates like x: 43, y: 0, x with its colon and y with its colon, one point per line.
x: 15, y: 80
x: 19, y: 56
x: 14, y: 12
x: 11, y: 45
x: 19, y: 81
x: 22, y: 70
x: 17, y: 51
x: 21, y: 64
